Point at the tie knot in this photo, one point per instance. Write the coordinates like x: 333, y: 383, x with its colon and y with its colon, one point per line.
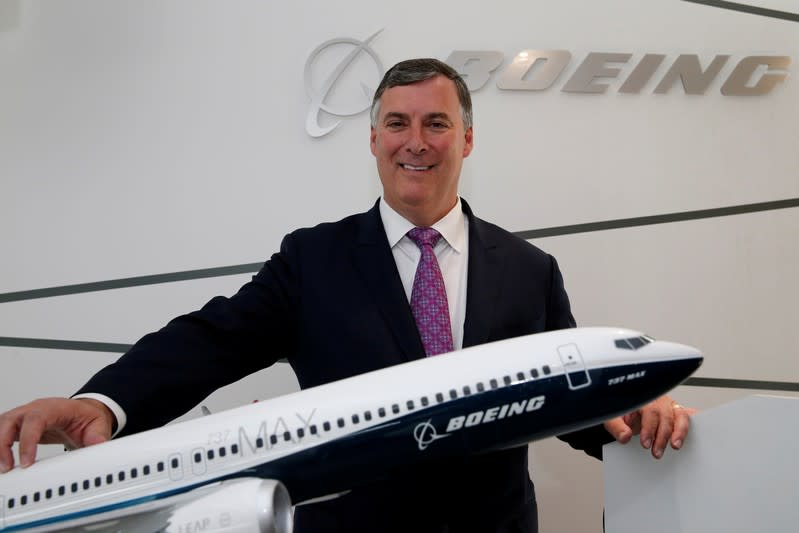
x: 422, y: 236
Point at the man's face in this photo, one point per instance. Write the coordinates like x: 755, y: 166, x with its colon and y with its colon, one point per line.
x: 420, y: 142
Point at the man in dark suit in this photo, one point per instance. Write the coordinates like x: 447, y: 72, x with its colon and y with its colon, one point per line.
x: 337, y: 301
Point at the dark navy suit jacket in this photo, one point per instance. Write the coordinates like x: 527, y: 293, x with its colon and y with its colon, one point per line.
x: 332, y: 303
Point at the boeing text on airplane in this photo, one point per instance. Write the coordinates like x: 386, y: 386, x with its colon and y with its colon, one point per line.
x: 495, y: 413
x: 425, y: 433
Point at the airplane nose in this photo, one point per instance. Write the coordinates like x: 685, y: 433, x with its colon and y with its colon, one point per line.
x: 657, y: 374
x: 679, y: 368
x: 684, y: 351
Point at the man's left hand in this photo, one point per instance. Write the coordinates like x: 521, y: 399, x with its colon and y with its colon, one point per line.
x: 660, y: 422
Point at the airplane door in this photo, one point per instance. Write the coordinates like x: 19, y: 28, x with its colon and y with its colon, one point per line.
x: 175, y: 467
x: 574, y: 366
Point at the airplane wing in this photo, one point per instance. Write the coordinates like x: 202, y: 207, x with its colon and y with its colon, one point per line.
x: 139, y: 522
x: 324, y: 498
x: 233, y: 506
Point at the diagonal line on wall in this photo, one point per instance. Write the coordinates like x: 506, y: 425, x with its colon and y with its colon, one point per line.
x: 746, y: 8
x: 59, y: 344
x: 657, y: 219
x: 123, y: 283
x: 748, y: 384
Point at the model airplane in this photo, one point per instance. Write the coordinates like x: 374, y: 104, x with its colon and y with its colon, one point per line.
x: 234, y: 470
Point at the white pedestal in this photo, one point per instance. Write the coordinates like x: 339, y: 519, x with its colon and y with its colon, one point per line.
x: 737, y: 472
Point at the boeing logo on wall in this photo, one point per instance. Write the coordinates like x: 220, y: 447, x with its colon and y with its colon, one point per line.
x: 530, y: 70
x: 361, y: 98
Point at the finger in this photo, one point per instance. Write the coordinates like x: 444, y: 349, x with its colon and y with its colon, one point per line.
x: 619, y: 429
x: 8, y: 435
x: 634, y: 421
x: 30, y: 433
x: 682, y: 423
x: 664, y: 432
x: 650, y: 418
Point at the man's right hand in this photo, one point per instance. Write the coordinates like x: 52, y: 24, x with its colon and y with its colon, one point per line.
x: 73, y: 423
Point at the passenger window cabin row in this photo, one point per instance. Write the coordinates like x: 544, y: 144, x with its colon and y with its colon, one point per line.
x: 410, y: 405
x: 86, y: 484
x: 424, y: 401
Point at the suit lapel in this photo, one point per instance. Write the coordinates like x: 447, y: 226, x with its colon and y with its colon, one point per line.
x: 375, y: 263
x: 486, y: 264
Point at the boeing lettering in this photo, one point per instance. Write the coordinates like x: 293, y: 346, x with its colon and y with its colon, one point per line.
x: 491, y: 415
x: 538, y: 70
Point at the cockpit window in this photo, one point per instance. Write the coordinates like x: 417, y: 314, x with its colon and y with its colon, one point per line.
x: 633, y: 343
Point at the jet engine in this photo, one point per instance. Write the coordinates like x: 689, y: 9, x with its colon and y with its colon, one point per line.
x: 236, y: 506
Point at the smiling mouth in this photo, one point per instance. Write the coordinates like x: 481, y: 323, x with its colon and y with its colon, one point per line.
x: 415, y: 168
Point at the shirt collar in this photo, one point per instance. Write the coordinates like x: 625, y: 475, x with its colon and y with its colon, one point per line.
x: 451, y: 226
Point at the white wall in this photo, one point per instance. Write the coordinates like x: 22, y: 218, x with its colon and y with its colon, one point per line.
x: 142, y: 138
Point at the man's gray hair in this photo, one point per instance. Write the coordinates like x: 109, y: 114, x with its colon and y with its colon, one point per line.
x: 415, y: 70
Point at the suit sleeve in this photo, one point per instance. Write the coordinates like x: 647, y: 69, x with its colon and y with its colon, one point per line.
x: 168, y: 372
x: 559, y: 316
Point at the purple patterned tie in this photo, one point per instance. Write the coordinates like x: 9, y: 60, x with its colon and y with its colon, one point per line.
x: 429, y: 297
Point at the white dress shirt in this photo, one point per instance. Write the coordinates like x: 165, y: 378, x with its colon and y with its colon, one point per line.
x: 452, y: 252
